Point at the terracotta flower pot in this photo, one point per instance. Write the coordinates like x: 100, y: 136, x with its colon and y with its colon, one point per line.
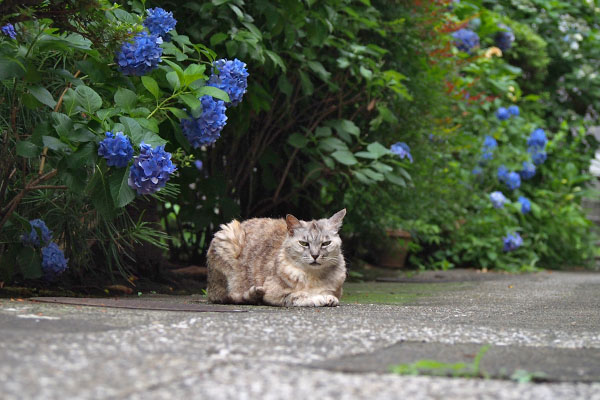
x: 396, y: 250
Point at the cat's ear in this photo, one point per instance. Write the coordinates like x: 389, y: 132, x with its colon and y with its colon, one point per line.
x: 292, y: 223
x: 336, y: 220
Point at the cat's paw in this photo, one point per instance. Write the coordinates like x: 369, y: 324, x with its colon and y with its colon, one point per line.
x: 331, y: 301
x: 317, y: 301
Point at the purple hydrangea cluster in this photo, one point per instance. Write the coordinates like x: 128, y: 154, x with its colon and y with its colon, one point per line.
x: 536, y: 144
x: 141, y: 55
x: 525, y: 204
x: 505, y: 38
x: 206, y: 129
x: 159, y: 22
x: 402, y: 150
x: 465, y: 40
x: 116, y: 149
x: 232, y: 78
x: 9, y: 30
x: 528, y: 170
x: 150, y: 170
x: 498, y: 199
x: 512, y: 242
x: 54, y: 262
x: 32, y: 238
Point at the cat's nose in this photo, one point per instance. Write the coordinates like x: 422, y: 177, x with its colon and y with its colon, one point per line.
x: 315, y: 256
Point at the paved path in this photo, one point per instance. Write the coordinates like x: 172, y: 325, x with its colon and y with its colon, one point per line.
x: 541, y: 323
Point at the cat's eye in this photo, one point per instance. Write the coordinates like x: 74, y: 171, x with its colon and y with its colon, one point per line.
x: 325, y: 244
x: 303, y: 244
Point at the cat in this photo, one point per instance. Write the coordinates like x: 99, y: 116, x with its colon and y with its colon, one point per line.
x: 277, y: 262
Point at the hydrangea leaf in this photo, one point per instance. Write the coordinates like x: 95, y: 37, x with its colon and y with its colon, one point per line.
x: 366, y: 154
x: 214, y: 92
x: 173, y: 80
x: 376, y: 176
x: 344, y: 157
x: 193, y: 73
x: 121, y: 193
x: 88, y: 99
x: 43, y: 96
x: 100, y: 195
x: 30, y: 263
x: 332, y: 144
x: 297, y: 140
x: 62, y: 123
x: 378, y: 149
x: 55, y: 144
x: 133, y: 129
x: 27, y: 149
x: 362, y: 177
x: 151, y: 85
x: 395, y: 179
x: 125, y: 98
x: 178, y: 112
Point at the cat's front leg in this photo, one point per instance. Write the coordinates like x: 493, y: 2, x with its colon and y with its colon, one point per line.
x: 295, y: 277
x: 301, y: 299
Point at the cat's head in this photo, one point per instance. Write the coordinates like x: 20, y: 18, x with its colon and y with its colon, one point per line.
x: 314, y: 244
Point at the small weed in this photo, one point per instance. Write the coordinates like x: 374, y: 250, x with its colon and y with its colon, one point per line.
x: 438, y: 368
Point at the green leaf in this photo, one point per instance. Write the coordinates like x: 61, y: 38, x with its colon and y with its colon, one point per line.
x: 331, y: 144
x: 121, y: 193
x: 395, y: 179
x: 366, y: 154
x: 319, y: 70
x: 367, y: 73
x: 193, y: 73
x: 88, y: 99
x: 27, y: 149
x: 100, y: 195
x: 297, y: 140
x: 85, y: 155
x: 347, y: 126
x: 217, y: 38
x: 55, y: 144
x: 378, y: 149
x: 179, y: 113
x: 362, y: 177
x: 132, y: 128
x: 345, y: 157
x: 307, y: 86
x: 376, y: 176
x: 30, y: 263
x: 177, y: 69
x: 173, y: 80
x: 191, y: 101
x: 323, y: 131
x: 214, y: 92
x: 81, y: 135
x: 277, y: 60
x: 107, y: 113
x: 43, y: 96
x: 62, y: 123
x: 151, y: 85
x: 125, y: 98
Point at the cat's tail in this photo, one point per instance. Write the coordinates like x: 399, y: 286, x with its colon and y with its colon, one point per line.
x: 229, y: 241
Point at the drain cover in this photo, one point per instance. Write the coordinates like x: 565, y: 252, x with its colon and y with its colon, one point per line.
x: 137, y: 304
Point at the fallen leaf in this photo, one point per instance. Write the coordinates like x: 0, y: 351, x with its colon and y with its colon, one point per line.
x: 119, y: 289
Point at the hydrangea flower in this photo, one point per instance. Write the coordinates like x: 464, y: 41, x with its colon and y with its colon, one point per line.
x: 477, y: 171
x: 525, y: 204
x: 513, y: 110
x: 465, y: 40
x: 159, y: 22
x: 513, y: 180
x: 150, y: 170
x: 528, y: 170
x: 205, y: 129
x: 502, y: 173
x: 232, y: 78
x: 512, y: 242
x: 489, y: 143
x: 402, y: 150
x: 502, y: 114
x: 505, y: 38
x: 498, y: 199
x: 32, y: 238
x: 538, y: 156
x: 141, y: 55
x: 537, y: 139
x: 116, y: 149
x: 198, y: 165
x: 54, y: 262
x: 9, y: 30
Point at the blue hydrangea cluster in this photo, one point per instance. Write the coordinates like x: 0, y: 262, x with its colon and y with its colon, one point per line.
x: 502, y: 173
x: 159, y: 22
x: 465, y: 40
x: 206, y: 129
x: 536, y: 144
x: 32, y: 238
x: 505, y: 38
x: 528, y: 170
x: 498, y: 199
x: 232, y: 78
x: 504, y: 113
x: 402, y: 150
x: 487, y: 152
x: 141, y: 55
x: 116, y: 149
x: 513, y: 180
x: 150, y: 170
x: 512, y: 242
x: 198, y: 165
x: 9, y: 30
x: 525, y: 204
x: 54, y: 262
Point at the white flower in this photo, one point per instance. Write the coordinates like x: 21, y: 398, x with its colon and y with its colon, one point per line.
x: 574, y: 46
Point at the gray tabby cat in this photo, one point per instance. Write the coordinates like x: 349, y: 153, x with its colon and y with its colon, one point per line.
x: 277, y: 262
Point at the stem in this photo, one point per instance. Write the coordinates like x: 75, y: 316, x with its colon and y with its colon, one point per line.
x: 158, y: 107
